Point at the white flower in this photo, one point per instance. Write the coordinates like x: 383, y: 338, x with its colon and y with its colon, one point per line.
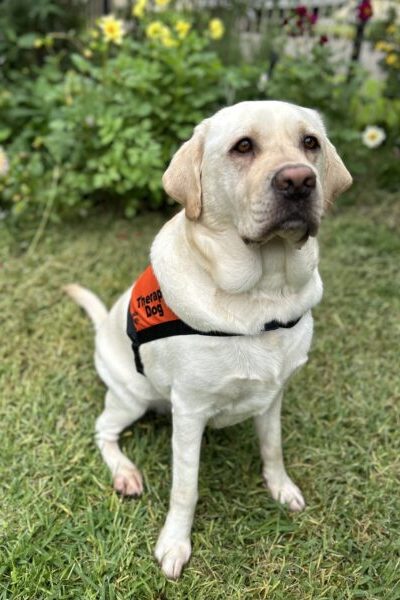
x: 90, y: 121
x: 262, y: 82
x: 373, y: 136
x: 4, y: 164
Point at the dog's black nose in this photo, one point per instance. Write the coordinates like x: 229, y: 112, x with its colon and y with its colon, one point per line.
x: 295, y: 182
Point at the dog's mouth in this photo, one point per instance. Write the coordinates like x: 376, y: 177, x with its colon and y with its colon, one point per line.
x: 298, y: 230
x: 295, y: 229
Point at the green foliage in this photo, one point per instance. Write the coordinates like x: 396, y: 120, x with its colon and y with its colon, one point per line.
x: 21, y: 21
x: 109, y: 123
x: 386, y: 36
x: 94, y: 118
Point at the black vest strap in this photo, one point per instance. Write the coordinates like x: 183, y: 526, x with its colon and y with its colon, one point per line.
x: 178, y: 327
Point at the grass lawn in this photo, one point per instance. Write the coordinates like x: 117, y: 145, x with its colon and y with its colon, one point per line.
x: 65, y: 534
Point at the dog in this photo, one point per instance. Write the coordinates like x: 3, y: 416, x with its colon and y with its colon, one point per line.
x: 237, y: 268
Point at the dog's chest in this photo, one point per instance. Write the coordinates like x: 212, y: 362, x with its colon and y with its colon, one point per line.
x: 226, y: 379
x: 252, y: 378
x: 240, y: 399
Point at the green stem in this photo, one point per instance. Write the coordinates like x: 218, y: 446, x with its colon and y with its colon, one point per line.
x: 46, y: 213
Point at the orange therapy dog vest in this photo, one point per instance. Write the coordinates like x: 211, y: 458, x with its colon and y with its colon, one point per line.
x: 150, y: 318
x: 147, y: 305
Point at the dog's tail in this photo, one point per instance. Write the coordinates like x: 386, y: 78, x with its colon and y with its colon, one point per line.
x: 88, y: 301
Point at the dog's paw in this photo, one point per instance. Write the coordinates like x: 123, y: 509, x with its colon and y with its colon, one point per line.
x: 128, y: 481
x: 172, y: 555
x: 286, y: 492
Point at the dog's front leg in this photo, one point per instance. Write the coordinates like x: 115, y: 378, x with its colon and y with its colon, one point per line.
x: 173, y: 548
x: 282, y: 488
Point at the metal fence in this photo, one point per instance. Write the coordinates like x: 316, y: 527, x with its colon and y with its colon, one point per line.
x: 96, y: 8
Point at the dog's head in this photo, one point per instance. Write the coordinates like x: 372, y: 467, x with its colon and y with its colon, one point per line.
x: 267, y: 168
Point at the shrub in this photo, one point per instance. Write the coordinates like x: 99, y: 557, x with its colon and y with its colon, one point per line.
x: 22, y: 20
x: 94, y: 118
x: 104, y: 129
x: 386, y: 35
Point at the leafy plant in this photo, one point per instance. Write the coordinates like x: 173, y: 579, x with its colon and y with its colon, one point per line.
x: 386, y: 36
x: 93, y: 119
x: 22, y: 21
x: 108, y: 125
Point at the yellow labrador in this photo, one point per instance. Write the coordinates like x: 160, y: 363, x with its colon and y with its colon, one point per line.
x: 238, y: 266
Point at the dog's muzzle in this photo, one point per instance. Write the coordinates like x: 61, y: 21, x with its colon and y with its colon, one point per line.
x: 294, y: 189
x: 294, y: 211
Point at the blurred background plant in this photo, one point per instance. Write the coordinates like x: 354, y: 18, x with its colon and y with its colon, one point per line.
x: 386, y: 36
x: 91, y: 110
x: 23, y: 21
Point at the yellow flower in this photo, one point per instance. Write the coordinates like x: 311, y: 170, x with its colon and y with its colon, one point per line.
x: 87, y: 53
x: 391, y: 59
x: 182, y: 28
x: 168, y: 41
x: 48, y: 41
x: 112, y: 28
x: 139, y: 8
x: 37, y: 142
x: 216, y: 29
x: 162, y: 3
x: 383, y: 46
x: 155, y: 30
x: 158, y: 31
x: 4, y: 164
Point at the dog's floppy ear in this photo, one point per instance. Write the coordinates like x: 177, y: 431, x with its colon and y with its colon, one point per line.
x: 337, y: 179
x: 182, y: 179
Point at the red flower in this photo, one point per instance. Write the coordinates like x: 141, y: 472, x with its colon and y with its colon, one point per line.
x: 364, y: 10
x: 323, y: 40
x: 301, y: 10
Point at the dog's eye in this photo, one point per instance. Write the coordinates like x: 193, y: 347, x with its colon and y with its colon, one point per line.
x: 243, y: 146
x: 310, y: 142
